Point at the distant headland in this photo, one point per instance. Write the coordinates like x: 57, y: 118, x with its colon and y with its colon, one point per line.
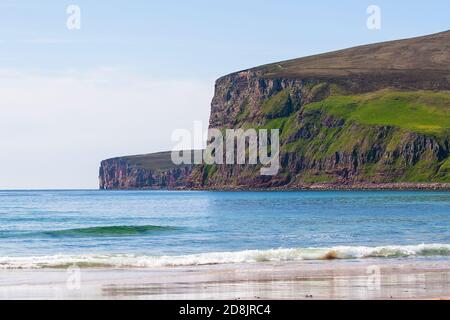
x: 370, y: 117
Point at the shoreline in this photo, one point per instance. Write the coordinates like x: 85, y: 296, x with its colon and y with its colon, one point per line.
x: 400, y: 186
x: 370, y: 279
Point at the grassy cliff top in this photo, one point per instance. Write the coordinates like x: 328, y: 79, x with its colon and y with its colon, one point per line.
x: 421, y: 57
x: 151, y: 161
x: 159, y: 161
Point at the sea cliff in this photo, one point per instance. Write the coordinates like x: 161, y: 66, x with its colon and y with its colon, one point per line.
x: 375, y: 116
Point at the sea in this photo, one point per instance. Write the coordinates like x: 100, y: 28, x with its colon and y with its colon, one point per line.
x: 148, y: 229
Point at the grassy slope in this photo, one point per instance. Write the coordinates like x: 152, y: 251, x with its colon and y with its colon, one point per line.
x: 159, y: 161
x: 153, y: 161
x: 423, y: 112
x: 416, y: 58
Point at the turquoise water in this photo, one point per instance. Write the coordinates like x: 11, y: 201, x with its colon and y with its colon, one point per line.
x: 147, y: 228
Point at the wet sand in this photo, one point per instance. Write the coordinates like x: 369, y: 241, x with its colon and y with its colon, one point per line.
x: 368, y: 279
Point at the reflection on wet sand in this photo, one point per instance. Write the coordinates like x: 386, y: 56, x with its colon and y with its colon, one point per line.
x: 385, y: 279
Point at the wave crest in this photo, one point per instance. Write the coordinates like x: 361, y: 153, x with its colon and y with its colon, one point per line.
x: 247, y: 256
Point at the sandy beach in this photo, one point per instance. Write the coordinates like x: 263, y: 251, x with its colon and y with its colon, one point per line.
x: 376, y: 279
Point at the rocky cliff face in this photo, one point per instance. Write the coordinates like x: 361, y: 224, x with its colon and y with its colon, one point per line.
x: 367, y: 116
x: 120, y: 175
x: 239, y: 96
x: 132, y: 173
x: 318, y: 147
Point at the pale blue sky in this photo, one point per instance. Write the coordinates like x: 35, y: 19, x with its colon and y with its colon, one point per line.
x: 139, y: 69
x: 199, y: 38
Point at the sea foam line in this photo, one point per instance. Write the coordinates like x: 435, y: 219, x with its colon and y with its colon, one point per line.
x: 246, y: 256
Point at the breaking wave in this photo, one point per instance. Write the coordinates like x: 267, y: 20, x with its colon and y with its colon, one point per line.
x: 247, y: 256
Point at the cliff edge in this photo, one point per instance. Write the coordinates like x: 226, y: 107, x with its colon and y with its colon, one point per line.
x: 372, y: 116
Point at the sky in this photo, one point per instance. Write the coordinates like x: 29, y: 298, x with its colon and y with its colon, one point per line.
x: 137, y: 70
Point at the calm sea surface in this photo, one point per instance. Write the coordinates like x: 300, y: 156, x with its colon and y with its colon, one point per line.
x: 146, y: 228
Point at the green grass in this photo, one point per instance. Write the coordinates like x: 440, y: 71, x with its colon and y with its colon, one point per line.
x: 244, y: 112
x: 279, y: 105
x: 420, y: 111
x: 444, y: 170
x: 154, y: 161
x: 446, y: 165
x: 209, y: 171
x: 277, y: 123
x: 423, y: 171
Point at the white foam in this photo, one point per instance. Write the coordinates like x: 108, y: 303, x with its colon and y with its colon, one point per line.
x: 247, y: 256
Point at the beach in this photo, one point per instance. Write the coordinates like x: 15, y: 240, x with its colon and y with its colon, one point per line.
x: 85, y: 244
x: 372, y: 279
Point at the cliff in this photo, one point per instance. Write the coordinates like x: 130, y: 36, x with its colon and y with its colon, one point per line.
x: 151, y: 171
x: 370, y: 116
